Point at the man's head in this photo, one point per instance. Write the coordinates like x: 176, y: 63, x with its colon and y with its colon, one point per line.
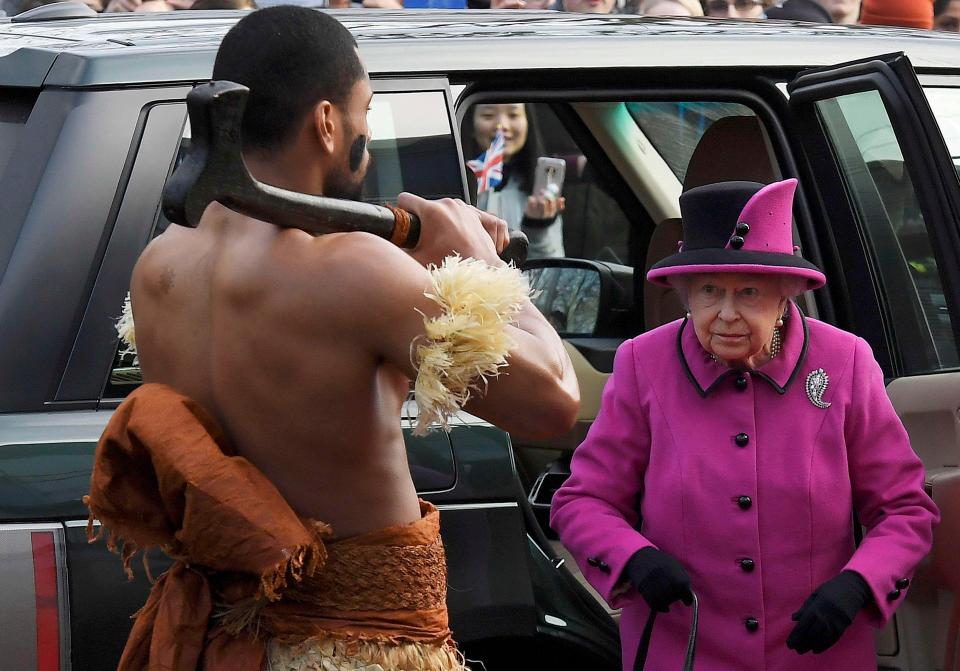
x: 736, y: 9
x: 946, y: 15
x: 309, y: 92
x: 842, y: 11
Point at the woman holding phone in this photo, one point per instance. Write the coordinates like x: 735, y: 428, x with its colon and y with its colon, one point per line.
x: 514, y: 199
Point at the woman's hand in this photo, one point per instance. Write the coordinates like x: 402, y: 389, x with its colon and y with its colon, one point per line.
x: 659, y: 578
x: 542, y: 207
x: 827, y: 613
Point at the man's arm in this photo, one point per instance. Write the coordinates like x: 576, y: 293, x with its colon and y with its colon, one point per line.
x: 535, y: 396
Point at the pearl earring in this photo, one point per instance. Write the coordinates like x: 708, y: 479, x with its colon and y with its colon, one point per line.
x: 779, y: 322
x: 688, y: 315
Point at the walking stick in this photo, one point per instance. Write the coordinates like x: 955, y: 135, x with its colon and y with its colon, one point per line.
x: 644, y: 646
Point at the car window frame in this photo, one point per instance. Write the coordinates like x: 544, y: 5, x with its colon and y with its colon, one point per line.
x: 759, y: 94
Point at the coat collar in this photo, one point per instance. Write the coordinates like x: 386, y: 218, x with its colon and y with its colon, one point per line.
x: 705, y: 373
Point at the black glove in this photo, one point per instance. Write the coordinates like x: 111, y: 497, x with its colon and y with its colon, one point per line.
x: 659, y: 578
x: 827, y: 613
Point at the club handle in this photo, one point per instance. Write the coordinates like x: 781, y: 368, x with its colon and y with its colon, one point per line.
x: 406, y: 234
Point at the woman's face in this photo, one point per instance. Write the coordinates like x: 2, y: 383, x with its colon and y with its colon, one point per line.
x: 512, y: 117
x: 734, y: 314
x: 735, y: 9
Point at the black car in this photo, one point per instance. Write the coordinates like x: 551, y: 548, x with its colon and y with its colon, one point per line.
x: 93, y: 121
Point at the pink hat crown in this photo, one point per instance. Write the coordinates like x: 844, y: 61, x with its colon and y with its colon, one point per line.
x: 766, y: 222
x: 738, y: 227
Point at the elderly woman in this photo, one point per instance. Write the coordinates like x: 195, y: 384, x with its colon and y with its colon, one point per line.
x: 729, y: 453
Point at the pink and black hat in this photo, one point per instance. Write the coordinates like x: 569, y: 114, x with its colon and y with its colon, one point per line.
x: 738, y: 227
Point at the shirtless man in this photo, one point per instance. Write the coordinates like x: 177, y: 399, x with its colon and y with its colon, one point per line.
x: 300, y: 347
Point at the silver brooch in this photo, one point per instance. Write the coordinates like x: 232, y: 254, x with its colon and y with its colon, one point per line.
x: 817, y: 382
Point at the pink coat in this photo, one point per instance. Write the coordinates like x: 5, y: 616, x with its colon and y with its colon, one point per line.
x: 727, y: 466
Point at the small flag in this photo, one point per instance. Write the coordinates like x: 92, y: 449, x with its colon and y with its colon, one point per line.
x: 488, y: 166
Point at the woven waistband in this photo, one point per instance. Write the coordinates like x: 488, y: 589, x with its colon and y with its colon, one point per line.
x: 377, y: 578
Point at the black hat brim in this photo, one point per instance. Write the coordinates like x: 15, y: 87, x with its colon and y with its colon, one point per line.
x: 712, y: 260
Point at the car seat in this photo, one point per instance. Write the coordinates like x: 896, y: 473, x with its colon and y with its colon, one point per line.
x: 732, y: 148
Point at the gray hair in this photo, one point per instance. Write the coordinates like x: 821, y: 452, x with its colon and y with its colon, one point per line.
x: 790, y: 286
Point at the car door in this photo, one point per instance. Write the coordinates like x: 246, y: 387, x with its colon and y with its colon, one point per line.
x: 889, y: 204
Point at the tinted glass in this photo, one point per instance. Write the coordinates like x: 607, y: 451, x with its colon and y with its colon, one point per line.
x: 412, y: 148
x: 872, y: 162
x: 675, y: 128
x: 945, y: 104
x: 537, y: 148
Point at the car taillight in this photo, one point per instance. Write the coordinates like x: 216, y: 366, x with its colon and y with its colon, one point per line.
x: 34, y: 630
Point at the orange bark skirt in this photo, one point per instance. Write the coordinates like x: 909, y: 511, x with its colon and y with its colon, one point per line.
x: 254, y: 586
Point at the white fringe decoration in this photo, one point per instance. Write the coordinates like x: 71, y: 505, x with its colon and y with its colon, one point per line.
x: 468, y: 343
x: 126, y: 330
x: 331, y: 654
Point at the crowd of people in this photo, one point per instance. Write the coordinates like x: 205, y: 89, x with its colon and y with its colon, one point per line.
x: 943, y: 15
x: 929, y: 14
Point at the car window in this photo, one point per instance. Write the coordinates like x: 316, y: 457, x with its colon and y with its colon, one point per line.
x: 893, y: 225
x: 412, y: 149
x: 658, y: 147
x: 675, y: 128
x: 945, y: 103
x: 591, y: 226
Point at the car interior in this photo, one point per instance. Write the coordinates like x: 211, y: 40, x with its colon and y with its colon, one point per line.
x: 659, y: 150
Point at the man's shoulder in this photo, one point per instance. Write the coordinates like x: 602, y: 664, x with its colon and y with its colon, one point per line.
x: 361, y: 260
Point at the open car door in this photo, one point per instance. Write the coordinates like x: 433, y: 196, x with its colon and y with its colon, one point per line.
x: 889, y: 200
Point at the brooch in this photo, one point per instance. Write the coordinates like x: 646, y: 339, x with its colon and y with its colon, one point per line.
x: 817, y: 382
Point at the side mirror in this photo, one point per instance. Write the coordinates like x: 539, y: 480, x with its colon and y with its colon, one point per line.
x: 583, y: 298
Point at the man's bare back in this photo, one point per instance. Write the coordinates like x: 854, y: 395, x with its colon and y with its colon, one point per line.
x: 300, y: 348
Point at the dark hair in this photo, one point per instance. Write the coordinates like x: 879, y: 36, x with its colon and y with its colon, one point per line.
x: 224, y: 4
x: 523, y: 165
x: 290, y: 58
x: 940, y: 6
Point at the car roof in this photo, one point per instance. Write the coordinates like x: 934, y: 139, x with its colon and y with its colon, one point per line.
x: 115, y: 49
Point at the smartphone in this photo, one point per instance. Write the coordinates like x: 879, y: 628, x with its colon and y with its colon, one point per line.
x: 548, y: 178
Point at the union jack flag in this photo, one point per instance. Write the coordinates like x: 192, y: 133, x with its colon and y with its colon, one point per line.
x: 488, y: 166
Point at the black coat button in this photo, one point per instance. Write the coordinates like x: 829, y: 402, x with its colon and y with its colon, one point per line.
x: 894, y: 595
x: 751, y: 624
x: 903, y: 583
x: 598, y: 564
x: 745, y: 502
x: 743, y: 228
x: 741, y: 439
x: 736, y: 242
x: 740, y: 382
x: 747, y: 564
